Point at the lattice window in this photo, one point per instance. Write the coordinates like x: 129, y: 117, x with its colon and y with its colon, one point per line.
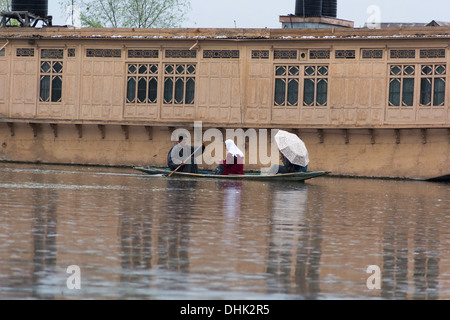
x: 285, y: 54
x: 52, y: 53
x: 287, y: 80
x: 403, y: 54
x: 179, y: 83
x: 181, y: 54
x: 372, y: 53
x: 401, y: 85
x: 432, y: 84
x: 51, y: 75
x: 142, y: 83
x: 315, y: 88
x: 345, y: 54
x: 71, y: 52
x: 319, y: 54
x: 25, y: 52
x: 103, y: 53
x: 143, y: 54
x: 221, y: 54
x: 432, y: 53
x: 260, y: 54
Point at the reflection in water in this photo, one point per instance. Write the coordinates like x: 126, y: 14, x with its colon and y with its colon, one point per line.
x: 44, y: 237
x: 295, y: 244
x: 232, y: 197
x: 173, y: 233
x: 426, y: 255
x: 425, y: 252
x: 136, y: 236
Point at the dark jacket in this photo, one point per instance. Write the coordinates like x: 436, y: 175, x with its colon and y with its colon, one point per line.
x: 184, y: 152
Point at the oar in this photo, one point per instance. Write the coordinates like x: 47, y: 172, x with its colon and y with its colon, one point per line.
x: 183, y: 161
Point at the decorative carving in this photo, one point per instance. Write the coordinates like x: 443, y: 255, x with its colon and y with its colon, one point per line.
x: 143, y: 54
x: 372, y: 53
x: 345, y: 54
x: 52, y: 53
x: 432, y: 53
x: 221, y: 54
x: 103, y: 53
x: 260, y: 54
x: 319, y: 54
x: 285, y: 54
x: 25, y: 52
x: 403, y: 54
x: 71, y: 53
x: 181, y: 54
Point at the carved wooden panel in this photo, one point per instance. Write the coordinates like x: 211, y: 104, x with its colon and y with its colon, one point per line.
x: 219, y: 91
x: 102, y: 90
x: 258, y: 93
x: 24, y: 84
x: 4, y: 85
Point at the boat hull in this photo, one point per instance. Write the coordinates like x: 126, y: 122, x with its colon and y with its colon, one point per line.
x: 296, y: 176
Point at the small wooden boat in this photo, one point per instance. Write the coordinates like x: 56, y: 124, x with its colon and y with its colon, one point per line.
x: 295, y: 176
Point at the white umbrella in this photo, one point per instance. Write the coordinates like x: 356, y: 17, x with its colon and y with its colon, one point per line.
x: 292, y: 147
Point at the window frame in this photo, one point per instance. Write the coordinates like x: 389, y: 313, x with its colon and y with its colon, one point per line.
x: 188, y: 81
x: 147, y: 76
x: 319, y: 100
x: 48, y: 69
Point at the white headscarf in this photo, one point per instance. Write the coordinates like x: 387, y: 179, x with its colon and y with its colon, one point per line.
x: 233, y: 149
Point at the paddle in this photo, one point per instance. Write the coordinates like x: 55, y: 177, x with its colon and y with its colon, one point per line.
x: 183, y: 162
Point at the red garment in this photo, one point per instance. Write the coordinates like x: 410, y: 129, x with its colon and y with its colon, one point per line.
x: 233, y: 165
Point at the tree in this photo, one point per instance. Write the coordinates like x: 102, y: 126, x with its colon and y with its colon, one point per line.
x: 5, y: 5
x: 130, y: 13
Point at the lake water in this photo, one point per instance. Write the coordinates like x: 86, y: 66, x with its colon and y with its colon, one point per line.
x: 134, y: 236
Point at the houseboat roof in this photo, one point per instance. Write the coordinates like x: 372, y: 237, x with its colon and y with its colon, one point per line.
x: 65, y: 33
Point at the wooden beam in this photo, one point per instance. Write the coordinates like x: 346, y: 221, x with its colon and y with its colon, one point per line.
x: 320, y: 133
x: 372, y: 136
x: 54, y: 127
x: 346, y: 136
x: 126, y: 132
x: 149, y: 130
x: 11, y: 128
x: 397, y: 136
x: 102, y: 129
x: 79, y: 128
x: 424, y: 135
x: 35, y: 127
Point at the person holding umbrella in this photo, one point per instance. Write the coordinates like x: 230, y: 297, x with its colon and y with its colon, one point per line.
x: 293, y: 154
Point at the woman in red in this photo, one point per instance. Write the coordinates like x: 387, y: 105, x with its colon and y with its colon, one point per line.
x: 234, y: 162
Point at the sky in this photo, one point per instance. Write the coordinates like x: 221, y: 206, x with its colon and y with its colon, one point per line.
x: 265, y: 13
